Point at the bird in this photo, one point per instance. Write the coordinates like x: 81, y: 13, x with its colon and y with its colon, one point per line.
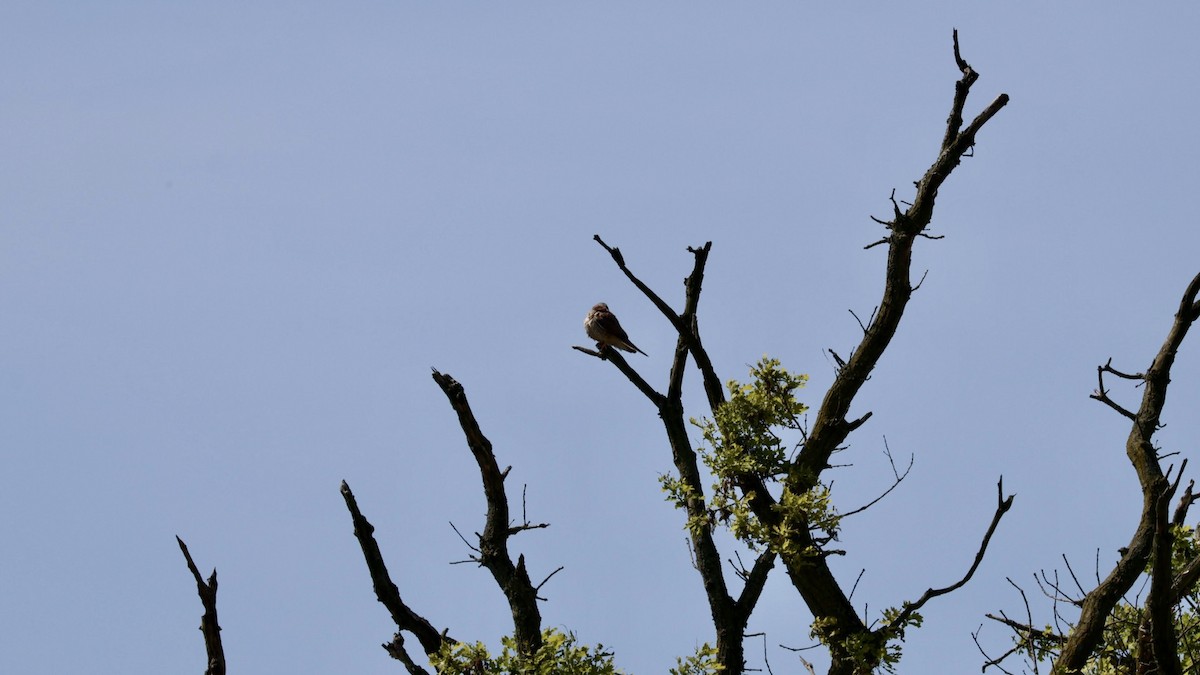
x: 602, y: 326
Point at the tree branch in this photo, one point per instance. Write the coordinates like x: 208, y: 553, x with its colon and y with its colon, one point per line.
x: 208, y: 621
x: 607, y: 353
x: 658, y: 302
x: 755, y: 581
x: 1101, y: 393
x: 493, y: 542
x: 396, y: 650
x: 1139, y: 448
x: 388, y: 594
x: 897, y: 479
x: 1159, y: 608
x: 1026, y: 628
x: 1003, y: 504
x: 811, y: 576
x: 1185, y: 503
x: 685, y: 323
x: 830, y: 427
x: 729, y: 617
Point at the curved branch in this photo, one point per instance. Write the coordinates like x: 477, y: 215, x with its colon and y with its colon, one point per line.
x: 1003, y: 504
x: 898, y: 478
x: 1101, y: 393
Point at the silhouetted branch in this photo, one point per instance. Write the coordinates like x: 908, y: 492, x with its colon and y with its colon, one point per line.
x: 811, y: 575
x: 897, y: 479
x: 658, y: 302
x: 684, y: 323
x: 388, y: 594
x: 548, y: 577
x: 512, y: 579
x: 755, y: 580
x: 1159, y: 606
x: 208, y: 621
x: 614, y: 357
x: 1101, y: 393
x: 1151, y: 532
x: 1034, y: 641
x: 729, y: 616
x: 1003, y: 504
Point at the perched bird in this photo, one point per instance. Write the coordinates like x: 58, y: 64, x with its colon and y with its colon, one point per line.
x: 602, y: 326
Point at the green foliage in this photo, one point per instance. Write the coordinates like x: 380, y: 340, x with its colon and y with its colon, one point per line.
x: 747, y: 438
x: 560, y: 654
x: 895, y: 634
x: 866, y: 651
x: 703, y: 662
x: 879, y: 649
x: 677, y: 491
x: 743, y: 438
x: 812, y: 509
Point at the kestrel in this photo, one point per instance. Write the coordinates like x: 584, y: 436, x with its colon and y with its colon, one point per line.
x: 602, y: 326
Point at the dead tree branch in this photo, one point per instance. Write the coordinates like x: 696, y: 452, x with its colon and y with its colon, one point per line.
x: 898, y: 478
x: 730, y: 616
x: 811, y: 575
x: 1185, y: 503
x: 208, y: 621
x: 1003, y: 504
x: 685, y: 322
x: 1160, y: 615
x: 513, y: 579
x: 1152, y: 533
x: 1034, y: 641
x: 389, y: 595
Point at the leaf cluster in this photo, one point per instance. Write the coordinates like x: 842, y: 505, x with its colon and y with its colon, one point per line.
x: 703, y: 662
x: 751, y: 434
x: 560, y: 654
x: 744, y: 437
x: 870, y: 650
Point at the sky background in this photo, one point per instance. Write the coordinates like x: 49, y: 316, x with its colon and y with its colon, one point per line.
x: 234, y: 239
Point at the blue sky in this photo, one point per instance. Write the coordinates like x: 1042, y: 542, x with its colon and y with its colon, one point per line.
x: 234, y: 239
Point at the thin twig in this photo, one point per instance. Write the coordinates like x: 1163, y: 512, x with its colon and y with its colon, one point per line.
x: 898, y: 478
